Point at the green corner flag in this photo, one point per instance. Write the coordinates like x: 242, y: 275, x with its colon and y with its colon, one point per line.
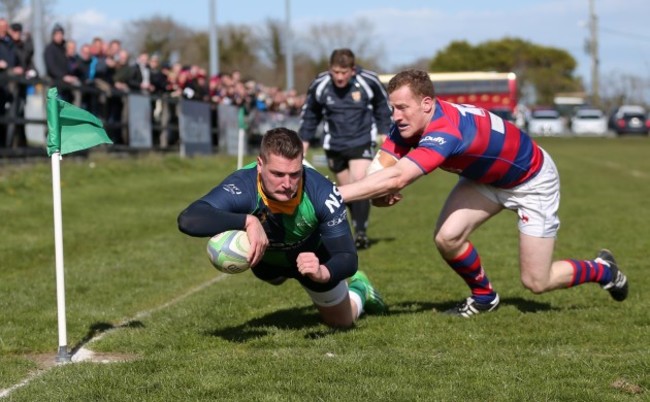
x: 71, y: 128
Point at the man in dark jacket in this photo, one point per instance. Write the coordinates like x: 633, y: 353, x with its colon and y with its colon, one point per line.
x: 353, y: 106
x: 56, y: 64
x: 9, y: 66
x: 24, y: 48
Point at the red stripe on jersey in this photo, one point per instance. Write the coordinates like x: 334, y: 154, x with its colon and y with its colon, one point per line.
x: 507, y: 155
x: 427, y: 159
x: 396, y: 150
x: 481, y: 140
x: 477, y: 148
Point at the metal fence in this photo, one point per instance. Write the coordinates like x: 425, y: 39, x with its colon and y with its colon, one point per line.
x: 135, y: 121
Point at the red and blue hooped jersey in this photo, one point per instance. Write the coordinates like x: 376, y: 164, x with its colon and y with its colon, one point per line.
x: 473, y: 143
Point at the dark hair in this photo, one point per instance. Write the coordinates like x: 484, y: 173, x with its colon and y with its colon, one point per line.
x: 342, y: 58
x: 281, y: 141
x: 57, y: 28
x: 417, y: 80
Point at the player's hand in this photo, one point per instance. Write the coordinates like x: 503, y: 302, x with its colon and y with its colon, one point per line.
x: 387, y: 200
x: 309, y: 266
x: 257, y: 238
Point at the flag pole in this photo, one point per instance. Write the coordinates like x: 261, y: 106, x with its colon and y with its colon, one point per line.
x: 241, y: 134
x: 63, y: 356
x: 240, y: 148
x: 69, y: 129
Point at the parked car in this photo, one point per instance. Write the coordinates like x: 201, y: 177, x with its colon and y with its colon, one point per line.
x: 546, y: 122
x: 504, y: 113
x: 631, y: 119
x: 589, y: 121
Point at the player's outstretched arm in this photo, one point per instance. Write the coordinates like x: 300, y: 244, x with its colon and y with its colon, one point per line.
x: 386, y: 181
x: 201, y: 219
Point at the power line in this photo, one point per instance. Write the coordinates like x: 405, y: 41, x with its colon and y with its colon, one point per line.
x: 626, y: 34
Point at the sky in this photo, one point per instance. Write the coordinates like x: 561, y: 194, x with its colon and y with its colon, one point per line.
x: 408, y: 30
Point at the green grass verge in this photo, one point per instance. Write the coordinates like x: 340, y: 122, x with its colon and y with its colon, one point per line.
x: 240, y: 339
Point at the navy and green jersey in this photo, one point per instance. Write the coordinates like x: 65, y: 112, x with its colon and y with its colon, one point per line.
x: 315, y: 221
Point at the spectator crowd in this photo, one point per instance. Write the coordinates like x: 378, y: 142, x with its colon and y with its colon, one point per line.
x: 98, y: 75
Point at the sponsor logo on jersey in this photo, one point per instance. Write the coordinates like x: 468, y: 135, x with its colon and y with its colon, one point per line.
x: 435, y: 140
x: 232, y: 189
x: 338, y: 219
x: 283, y: 246
x: 333, y: 203
x: 302, y: 223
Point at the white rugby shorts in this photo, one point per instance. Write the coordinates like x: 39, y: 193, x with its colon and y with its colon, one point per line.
x: 331, y: 297
x: 536, y: 201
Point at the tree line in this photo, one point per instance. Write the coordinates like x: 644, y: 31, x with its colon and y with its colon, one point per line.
x: 257, y: 51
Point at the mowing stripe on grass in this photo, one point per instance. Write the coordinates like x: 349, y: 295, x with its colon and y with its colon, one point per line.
x: 615, y: 166
x: 81, y: 353
x: 631, y: 172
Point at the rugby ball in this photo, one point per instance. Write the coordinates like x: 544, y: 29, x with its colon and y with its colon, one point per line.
x: 228, y: 251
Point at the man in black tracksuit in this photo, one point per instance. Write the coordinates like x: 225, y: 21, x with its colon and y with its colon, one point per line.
x: 353, y: 106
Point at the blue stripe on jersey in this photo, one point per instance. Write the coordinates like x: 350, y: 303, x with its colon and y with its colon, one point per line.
x: 520, y: 165
x: 477, y: 170
x: 467, y: 127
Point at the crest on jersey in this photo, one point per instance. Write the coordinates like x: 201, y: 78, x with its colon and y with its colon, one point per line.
x: 232, y: 189
x: 356, y: 96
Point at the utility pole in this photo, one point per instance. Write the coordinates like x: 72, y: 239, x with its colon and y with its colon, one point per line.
x: 593, y: 52
x: 37, y: 36
x: 288, y: 45
x: 214, y: 41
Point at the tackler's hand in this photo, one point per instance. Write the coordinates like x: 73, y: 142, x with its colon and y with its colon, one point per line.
x: 387, y: 200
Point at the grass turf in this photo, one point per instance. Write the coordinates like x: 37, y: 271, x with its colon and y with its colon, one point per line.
x: 132, y: 277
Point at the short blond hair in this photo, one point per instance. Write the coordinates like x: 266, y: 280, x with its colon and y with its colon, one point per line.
x: 417, y: 80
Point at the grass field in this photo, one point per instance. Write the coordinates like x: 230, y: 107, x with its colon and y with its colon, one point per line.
x: 140, y: 292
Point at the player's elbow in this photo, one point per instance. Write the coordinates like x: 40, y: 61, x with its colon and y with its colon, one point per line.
x: 183, y: 223
x: 188, y: 223
x: 351, y: 263
x: 343, y: 265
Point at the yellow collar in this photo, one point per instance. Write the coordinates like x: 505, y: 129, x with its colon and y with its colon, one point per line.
x: 284, y: 207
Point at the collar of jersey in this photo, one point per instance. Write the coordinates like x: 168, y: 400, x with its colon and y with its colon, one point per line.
x: 283, y: 207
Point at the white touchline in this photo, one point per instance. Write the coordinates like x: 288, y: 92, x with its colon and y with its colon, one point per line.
x: 83, y: 354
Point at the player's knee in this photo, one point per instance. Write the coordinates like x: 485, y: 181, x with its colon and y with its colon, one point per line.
x: 447, y: 242
x: 535, y: 285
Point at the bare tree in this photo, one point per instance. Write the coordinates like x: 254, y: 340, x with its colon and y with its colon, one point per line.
x: 358, y: 36
x: 11, y: 8
x: 238, y: 49
x: 272, y: 47
x: 271, y: 41
x: 621, y: 88
x: 160, y: 35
